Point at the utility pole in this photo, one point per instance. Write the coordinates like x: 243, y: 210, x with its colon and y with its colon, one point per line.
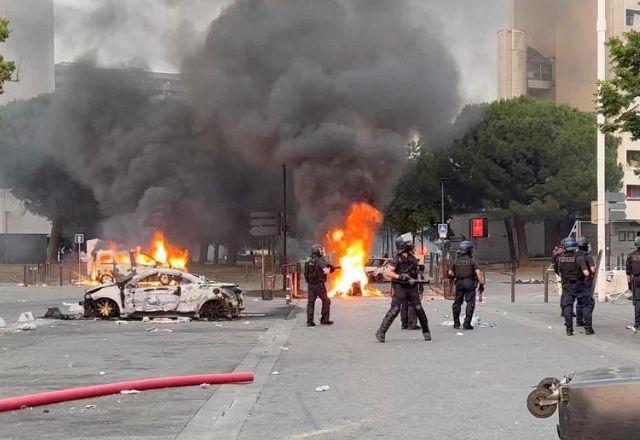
x: 601, y: 28
x: 442, y: 198
x: 284, y: 226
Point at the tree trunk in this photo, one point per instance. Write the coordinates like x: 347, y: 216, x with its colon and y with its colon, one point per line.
x: 232, y: 253
x: 54, y: 242
x: 523, y: 249
x: 512, y: 247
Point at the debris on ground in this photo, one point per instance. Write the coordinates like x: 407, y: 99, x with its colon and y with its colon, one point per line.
x: 164, y: 321
x: 102, y: 373
x: 459, y: 334
x: 184, y: 319
x: 146, y: 319
x: 74, y: 307
x: 26, y: 317
x: 632, y: 328
x: 275, y: 373
x: 90, y: 407
x: 529, y: 281
x: 323, y: 388
x: 121, y: 323
x: 155, y: 330
x: 129, y: 392
x: 26, y: 327
x: 204, y: 385
x: 55, y: 313
x: 3, y: 323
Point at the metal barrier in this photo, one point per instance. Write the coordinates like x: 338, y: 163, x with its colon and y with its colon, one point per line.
x: 48, y: 273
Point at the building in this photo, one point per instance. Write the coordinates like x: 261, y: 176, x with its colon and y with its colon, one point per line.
x: 549, y: 52
x: 30, y: 46
x: 158, y: 84
x: 23, y: 235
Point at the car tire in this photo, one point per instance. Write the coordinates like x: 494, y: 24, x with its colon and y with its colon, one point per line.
x: 106, y: 278
x: 105, y: 308
x: 213, y: 310
x: 536, y: 408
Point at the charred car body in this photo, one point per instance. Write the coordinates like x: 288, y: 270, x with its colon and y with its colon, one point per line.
x: 166, y: 292
x: 593, y: 405
x: 110, y: 266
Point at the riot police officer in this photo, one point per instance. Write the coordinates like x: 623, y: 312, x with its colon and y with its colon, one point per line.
x: 316, y: 270
x: 408, y: 317
x: 573, y: 270
x: 467, y: 277
x: 633, y: 276
x: 403, y: 271
x: 583, y: 249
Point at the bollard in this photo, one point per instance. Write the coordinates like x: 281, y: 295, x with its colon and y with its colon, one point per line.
x: 24, y: 276
x: 513, y: 284
x: 61, y: 280
x: 545, y: 280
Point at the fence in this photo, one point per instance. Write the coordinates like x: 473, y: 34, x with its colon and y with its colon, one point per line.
x: 52, y: 273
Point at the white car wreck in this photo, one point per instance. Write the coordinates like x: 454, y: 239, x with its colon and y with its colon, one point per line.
x: 164, y: 292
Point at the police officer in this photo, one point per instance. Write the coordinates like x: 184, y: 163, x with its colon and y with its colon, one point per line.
x: 408, y: 316
x: 573, y: 270
x: 583, y: 249
x: 633, y: 276
x: 316, y: 270
x: 467, y: 276
x: 403, y: 271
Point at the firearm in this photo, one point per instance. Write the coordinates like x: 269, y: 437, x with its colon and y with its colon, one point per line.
x: 334, y: 268
x: 412, y: 282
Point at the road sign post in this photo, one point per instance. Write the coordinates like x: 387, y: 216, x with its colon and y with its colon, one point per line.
x: 443, y: 230
x: 79, y: 239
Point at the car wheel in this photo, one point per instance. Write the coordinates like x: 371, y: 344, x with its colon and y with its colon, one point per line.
x: 549, y: 382
x: 536, y: 408
x: 106, y: 279
x: 106, y: 308
x: 214, y: 310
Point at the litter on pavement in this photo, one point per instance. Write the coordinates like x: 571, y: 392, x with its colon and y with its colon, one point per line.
x: 3, y: 324
x: 632, y: 328
x: 323, y: 388
x: 129, y: 392
x: 26, y: 317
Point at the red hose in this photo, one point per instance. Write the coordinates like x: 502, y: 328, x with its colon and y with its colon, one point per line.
x: 31, y: 400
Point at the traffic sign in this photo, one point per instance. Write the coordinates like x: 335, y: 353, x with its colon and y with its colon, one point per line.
x: 264, y: 231
x: 263, y: 214
x: 615, y: 197
x: 265, y: 222
x: 617, y: 216
x: 479, y: 227
x: 79, y: 239
x: 443, y: 230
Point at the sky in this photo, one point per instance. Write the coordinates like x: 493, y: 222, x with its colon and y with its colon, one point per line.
x: 157, y: 33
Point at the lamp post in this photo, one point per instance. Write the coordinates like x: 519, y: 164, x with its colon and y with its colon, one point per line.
x: 601, y: 28
x: 442, y: 180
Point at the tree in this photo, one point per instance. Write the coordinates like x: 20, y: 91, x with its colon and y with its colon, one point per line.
x: 6, y: 67
x: 531, y: 160
x: 618, y: 97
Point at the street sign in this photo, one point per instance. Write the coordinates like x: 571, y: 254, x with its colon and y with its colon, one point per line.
x: 79, y: 239
x: 264, y: 231
x: 615, y: 197
x: 443, y: 230
x: 617, y: 216
x: 479, y: 227
x: 265, y: 222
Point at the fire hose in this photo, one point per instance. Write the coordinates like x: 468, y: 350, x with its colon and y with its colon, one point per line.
x: 47, y: 398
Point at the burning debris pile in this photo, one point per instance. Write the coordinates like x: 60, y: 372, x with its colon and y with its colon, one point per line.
x: 351, y: 245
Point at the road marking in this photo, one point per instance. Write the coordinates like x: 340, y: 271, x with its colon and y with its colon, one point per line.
x: 224, y: 414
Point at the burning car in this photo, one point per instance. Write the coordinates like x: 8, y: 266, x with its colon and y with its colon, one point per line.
x: 375, y: 270
x: 109, y: 266
x: 166, y: 292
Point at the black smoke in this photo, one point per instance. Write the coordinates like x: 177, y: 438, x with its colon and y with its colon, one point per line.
x: 332, y: 88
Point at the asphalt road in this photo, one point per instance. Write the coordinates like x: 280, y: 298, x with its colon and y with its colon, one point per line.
x: 468, y: 386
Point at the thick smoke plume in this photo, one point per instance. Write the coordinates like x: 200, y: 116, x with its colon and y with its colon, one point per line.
x: 333, y: 88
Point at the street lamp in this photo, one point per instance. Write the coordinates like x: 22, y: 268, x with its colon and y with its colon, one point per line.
x: 601, y: 29
x: 442, y: 180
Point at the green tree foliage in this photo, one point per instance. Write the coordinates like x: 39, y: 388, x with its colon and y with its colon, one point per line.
x: 6, y: 67
x: 618, y: 97
x: 519, y: 160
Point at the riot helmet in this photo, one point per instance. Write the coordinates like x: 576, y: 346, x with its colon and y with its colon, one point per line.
x: 570, y: 244
x: 317, y: 250
x: 404, y: 243
x: 583, y: 243
x: 465, y: 247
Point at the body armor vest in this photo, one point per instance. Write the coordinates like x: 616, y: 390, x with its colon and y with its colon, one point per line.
x: 569, y: 268
x: 635, y: 264
x: 463, y: 268
x: 313, y: 274
x: 407, y: 266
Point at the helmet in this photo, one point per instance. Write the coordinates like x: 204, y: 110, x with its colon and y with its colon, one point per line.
x: 637, y: 242
x: 404, y: 245
x: 465, y: 247
x: 570, y: 244
x: 583, y: 243
x: 316, y: 250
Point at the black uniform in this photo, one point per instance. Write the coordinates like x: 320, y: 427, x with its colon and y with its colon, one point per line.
x: 408, y: 266
x: 588, y: 281
x: 570, y: 267
x: 466, y: 281
x: 633, y: 270
x: 315, y: 277
x: 408, y: 316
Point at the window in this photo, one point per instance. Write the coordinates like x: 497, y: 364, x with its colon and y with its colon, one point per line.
x: 622, y: 236
x: 633, y: 192
x: 633, y: 158
x: 633, y: 17
x: 631, y: 236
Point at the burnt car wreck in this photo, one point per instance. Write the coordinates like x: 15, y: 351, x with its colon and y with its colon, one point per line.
x: 164, y: 292
x: 599, y: 404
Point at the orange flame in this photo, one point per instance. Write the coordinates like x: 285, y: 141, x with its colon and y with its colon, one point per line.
x: 166, y: 254
x: 352, y: 244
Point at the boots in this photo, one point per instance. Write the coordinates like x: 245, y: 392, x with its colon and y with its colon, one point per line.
x: 579, y: 322
x: 386, y: 323
x: 424, y: 323
x: 467, y: 326
x: 456, y: 323
x: 569, y: 331
x: 589, y: 330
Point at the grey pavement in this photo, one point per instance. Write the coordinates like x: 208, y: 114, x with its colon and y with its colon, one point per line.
x: 469, y: 386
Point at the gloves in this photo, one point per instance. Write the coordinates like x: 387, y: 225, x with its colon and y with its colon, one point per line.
x: 481, y: 288
x: 405, y: 278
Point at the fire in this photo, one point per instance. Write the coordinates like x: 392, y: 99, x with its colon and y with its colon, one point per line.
x: 351, y: 245
x: 166, y: 254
